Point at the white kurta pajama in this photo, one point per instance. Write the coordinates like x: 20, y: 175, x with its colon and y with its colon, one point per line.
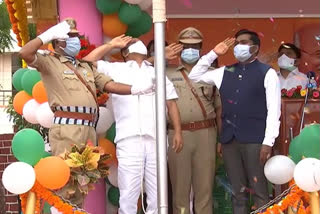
x: 135, y: 118
x: 294, y: 79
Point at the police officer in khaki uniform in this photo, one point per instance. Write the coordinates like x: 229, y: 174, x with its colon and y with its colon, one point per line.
x: 71, y: 86
x: 198, y: 103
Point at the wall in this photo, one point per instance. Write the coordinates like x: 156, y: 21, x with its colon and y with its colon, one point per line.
x: 6, y: 157
x: 272, y: 32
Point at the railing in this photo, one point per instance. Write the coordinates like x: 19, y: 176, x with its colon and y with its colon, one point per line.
x: 4, y: 97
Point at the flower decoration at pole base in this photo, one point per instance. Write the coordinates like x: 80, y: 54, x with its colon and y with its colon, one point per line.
x: 87, y: 166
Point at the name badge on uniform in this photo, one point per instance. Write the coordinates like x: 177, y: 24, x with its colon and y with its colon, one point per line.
x: 68, y: 72
x: 177, y: 79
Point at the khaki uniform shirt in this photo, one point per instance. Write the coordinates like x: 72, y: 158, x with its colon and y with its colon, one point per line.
x: 190, y: 110
x: 63, y: 86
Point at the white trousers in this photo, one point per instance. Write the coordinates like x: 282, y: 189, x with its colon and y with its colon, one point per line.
x: 137, y: 163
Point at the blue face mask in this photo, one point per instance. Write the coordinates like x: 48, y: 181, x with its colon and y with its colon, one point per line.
x: 190, y: 55
x: 73, y: 46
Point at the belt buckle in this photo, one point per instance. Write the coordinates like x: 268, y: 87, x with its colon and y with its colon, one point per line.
x: 192, y: 125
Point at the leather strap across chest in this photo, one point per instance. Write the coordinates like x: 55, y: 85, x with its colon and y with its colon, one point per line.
x: 194, y: 92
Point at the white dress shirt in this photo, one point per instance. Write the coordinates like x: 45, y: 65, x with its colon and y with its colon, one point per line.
x: 200, y: 73
x: 134, y: 115
x: 294, y: 79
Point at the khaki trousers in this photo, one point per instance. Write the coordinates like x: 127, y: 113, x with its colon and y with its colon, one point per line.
x: 193, y: 166
x: 61, y: 139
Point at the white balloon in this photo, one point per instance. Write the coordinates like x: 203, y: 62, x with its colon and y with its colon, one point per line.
x: 29, y: 111
x: 105, y: 121
x: 113, y: 175
x: 45, y: 115
x: 55, y: 211
x: 18, y: 177
x: 317, y: 176
x: 134, y: 1
x: 305, y: 173
x: 279, y: 169
x: 145, y: 4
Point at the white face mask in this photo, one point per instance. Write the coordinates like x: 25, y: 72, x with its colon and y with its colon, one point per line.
x: 73, y: 46
x: 286, y: 62
x: 138, y: 47
x: 242, y: 52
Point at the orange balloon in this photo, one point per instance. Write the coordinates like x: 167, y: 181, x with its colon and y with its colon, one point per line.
x: 112, y: 26
x: 108, y: 148
x: 39, y: 92
x: 52, y: 172
x: 19, y: 100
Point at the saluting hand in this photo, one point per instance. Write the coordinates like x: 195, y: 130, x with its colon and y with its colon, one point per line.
x: 172, y: 51
x: 59, y: 31
x: 224, y: 46
x: 121, y: 41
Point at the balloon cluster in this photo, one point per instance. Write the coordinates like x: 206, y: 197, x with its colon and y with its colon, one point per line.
x: 304, y: 150
x: 18, y: 18
x: 31, y: 101
x: 33, y: 164
x: 127, y: 17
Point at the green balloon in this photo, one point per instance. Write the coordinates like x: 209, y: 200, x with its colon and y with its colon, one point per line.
x: 16, y: 78
x: 28, y: 146
x: 113, y: 196
x: 141, y: 26
x: 310, y: 136
x: 29, y: 79
x: 306, y: 144
x: 108, y: 6
x: 111, y: 133
x: 295, y: 150
x: 129, y: 13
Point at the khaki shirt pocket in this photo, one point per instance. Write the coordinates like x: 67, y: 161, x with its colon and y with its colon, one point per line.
x: 90, y: 80
x: 205, y: 92
x: 71, y: 81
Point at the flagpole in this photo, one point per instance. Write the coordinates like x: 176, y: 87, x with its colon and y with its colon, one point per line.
x: 159, y: 19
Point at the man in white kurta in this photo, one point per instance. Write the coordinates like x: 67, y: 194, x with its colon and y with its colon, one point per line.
x: 135, y: 119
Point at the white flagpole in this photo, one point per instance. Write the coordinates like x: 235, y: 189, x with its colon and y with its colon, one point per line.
x: 159, y: 19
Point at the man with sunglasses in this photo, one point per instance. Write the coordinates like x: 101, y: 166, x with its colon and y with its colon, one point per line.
x: 71, y: 86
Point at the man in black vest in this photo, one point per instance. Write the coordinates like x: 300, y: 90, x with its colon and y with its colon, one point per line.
x: 250, y: 94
